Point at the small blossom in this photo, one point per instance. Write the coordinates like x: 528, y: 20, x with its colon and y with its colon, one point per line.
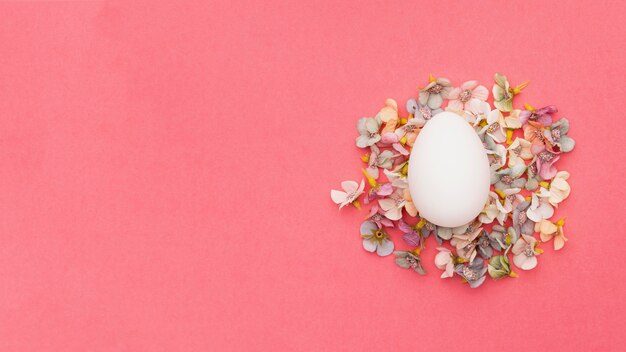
x: 421, y: 112
x: 534, y: 133
x: 410, y: 130
x: 378, y: 159
x: 461, y: 96
x: 375, y: 239
x: 540, y: 115
x: 548, y: 230
x: 510, y: 177
x: 503, y: 94
x: 394, y: 140
x: 500, y: 267
x: 511, y: 198
x: 502, y: 236
x: 496, y: 154
x: 351, y: 191
x: 493, y: 210
x: 428, y: 227
x: 465, y: 243
x: 525, y: 252
x: 545, y: 161
x: 369, y: 131
x: 533, y: 177
x: 389, y: 112
x: 521, y: 222
x: 519, y: 151
x: 495, y: 126
x: 377, y: 216
x: 377, y: 190
x: 539, y: 207
x: 558, y: 140
x: 409, y: 260
x: 410, y: 233
x: 473, y: 273
x: 397, y: 176
x: 487, y: 243
x: 477, y: 111
x: 435, y: 92
x: 512, y: 120
x: 444, y: 260
x: 393, y: 205
x: 559, y: 188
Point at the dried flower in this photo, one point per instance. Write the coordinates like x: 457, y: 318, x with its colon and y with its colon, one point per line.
x: 510, y: 177
x: 521, y: 222
x: 487, y: 243
x: 411, y: 234
x: 435, y: 92
x: 393, y: 204
x: 473, y: 273
x: 519, y: 151
x: 378, y: 159
x: 545, y: 161
x: 351, y: 191
x: 377, y: 216
x: 369, y: 131
x: 503, y: 94
x: 495, y: 126
x: 409, y: 260
x: 549, y: 230
x: 540, y: 208
x: 558, y: 140
x: 525, y: 252
x: 500, y: 267
x: 461, y: 96
x: 477, y: 111
x: 445, y: 261
x: 559, y: 188
x: 541, y: 116
x: 421, y: 112
x: 375, y: 239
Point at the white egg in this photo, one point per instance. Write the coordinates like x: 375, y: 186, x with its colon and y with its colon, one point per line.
x: 448, y: 171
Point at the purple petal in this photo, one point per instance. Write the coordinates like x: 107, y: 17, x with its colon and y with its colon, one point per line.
x: 385, y: 189
x: 550, y: 109
x: 545, y: 119
x: 404, y: 227
x: 412, y: 239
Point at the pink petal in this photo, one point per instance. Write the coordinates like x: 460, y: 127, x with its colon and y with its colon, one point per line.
x: 454, y: 93
x: 455, y: 105
x: 349, y: 186
x: 480, y: 93
x: 469, y: 85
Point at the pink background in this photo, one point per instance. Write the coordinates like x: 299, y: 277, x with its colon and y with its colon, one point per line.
x: 165, y: 175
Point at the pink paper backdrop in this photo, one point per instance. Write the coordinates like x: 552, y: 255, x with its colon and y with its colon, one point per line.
x: 165, y: 175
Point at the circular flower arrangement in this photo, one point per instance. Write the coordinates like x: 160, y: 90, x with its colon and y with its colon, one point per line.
x: 522, y: 146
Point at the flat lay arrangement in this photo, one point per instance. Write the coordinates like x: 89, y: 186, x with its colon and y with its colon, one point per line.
x: 470, y: 166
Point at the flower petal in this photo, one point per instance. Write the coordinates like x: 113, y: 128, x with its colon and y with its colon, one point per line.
x: 368, y: 245
x: 385, y: 248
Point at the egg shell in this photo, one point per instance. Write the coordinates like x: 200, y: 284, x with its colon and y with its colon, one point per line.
x: 448, y: 171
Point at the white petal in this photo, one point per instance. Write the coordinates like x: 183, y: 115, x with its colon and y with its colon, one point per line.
x: 337, y: 196
x: 386, y: 204
x: 368, y: 245
x: 385, y: 248
x: 435, y: 101
x: 349, y: 186
x: 394, y: 213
